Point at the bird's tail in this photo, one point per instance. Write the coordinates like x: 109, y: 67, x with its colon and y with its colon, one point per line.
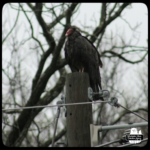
x: 96, y: 89
x: 95, y: 82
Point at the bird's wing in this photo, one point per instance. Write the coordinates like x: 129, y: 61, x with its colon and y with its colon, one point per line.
x: 66, y: 53
x: 68, y: 57
x: 97, y: 53
x: 85, y: 50
x: 90, y: 58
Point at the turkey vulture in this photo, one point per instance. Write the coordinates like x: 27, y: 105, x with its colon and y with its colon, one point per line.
x: 82, y: 56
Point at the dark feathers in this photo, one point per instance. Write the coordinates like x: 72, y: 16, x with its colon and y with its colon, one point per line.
x: 82, y: 56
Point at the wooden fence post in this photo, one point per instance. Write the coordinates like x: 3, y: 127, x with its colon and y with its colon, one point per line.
x: 79, y: 117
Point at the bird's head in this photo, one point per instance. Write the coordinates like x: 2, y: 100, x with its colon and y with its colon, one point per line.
x: 70, y: 31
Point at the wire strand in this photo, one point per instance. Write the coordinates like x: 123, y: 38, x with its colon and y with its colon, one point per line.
x: 69, y: 104
x: 57, y: 105
x: 133, y: 112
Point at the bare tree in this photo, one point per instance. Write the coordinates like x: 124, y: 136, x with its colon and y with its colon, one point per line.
x: 44, y: 58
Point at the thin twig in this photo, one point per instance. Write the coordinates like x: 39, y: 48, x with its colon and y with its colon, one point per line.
x: 12, y: 27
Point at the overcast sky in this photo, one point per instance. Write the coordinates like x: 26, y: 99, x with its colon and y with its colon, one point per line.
x: 137, y: 14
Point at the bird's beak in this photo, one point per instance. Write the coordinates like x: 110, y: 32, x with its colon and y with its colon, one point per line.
x: 68, y: 32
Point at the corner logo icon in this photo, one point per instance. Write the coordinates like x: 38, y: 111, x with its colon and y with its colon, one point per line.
x: 135, y: 136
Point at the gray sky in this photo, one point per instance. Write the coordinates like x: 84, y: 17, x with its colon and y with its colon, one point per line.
x: 137, y: 14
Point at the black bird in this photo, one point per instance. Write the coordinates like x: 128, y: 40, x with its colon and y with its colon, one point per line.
x: 82, y: 56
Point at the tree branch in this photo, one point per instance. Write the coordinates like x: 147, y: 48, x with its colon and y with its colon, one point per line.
x: 40, y: 68
x: 32, y: 30
x: 103, y: 14
x: 56, y: 52
x: 58, y: 19
x: 69, y: 13
x: 57, y: 137
x: 62, y: 37
x: 37, y: 11
x: 12, y: 27
x: 112, y: 10
x: 18, y: 134
x: 123, y: 58
x: 101, y: 27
